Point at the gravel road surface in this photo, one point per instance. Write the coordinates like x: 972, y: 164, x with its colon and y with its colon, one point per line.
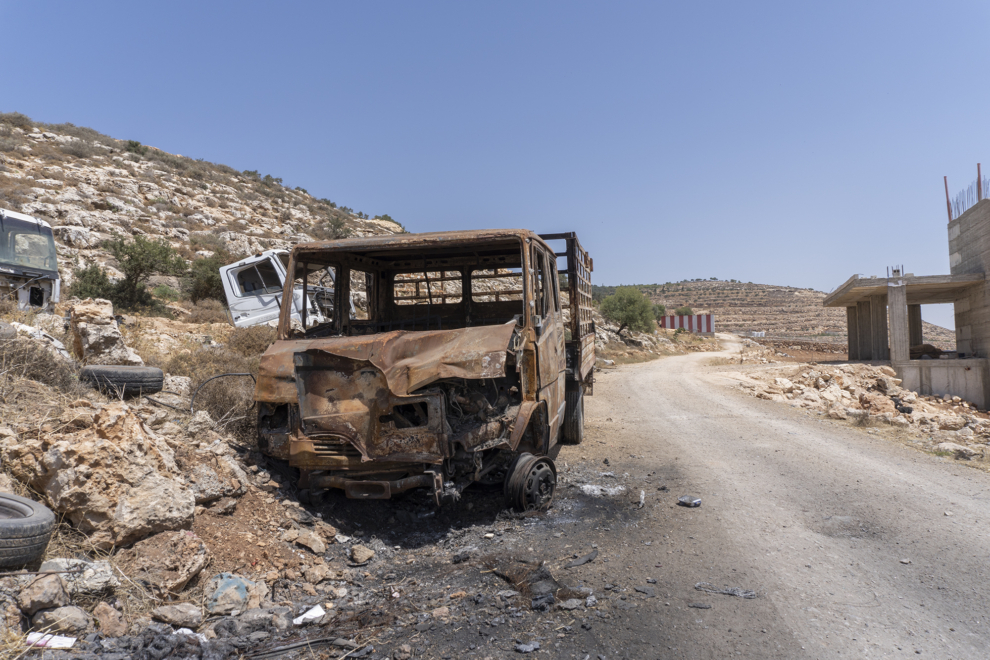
x: 855, y: 546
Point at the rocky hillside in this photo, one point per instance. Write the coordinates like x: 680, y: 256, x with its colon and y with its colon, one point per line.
x: 780, y: 311
x: 89, y: 186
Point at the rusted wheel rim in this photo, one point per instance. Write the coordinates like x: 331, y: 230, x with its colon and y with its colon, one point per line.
x: 532, y: 483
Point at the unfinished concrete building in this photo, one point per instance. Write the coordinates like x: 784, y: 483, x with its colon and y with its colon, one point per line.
x: 884, y: 315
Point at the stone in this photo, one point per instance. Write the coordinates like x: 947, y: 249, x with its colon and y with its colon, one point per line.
x: 224, y: 507
x: 404, y: 652
x: 110, y: 622
x: 184, y: 615
x: 316, y: 573
x: 960, y: 452
x: 310, y: 540
x: 200, y: 423
x: 570, y: 604
x: 361, y: 554
x: 168, y: 561
x: 951, y: 422
x: 69, y: 620
x: 45, y: 592
x: 6, y: 483
x: 91, y: 579
x: 876, y: 403
x: 180, y: 385
x: 227, y: 592
x: 900, y: 421
x: 116, y: 481
x: 784, y: 384
x: 95, y: 336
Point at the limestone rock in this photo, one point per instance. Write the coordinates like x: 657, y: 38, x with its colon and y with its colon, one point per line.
x: 960, y: 451
x: 92, y: 578
x: 951, y: 422
x: 360, y: 554
x: 111, y: 622
x: 95, y: 336
x: 115, y: 480
x: 876, y: 403
x: 167, y: 561
x: 45, y: 592
x: 69, y: 620
x: 310, y: 540
x: 784, y: 384
x: 200, y: 423
x: 184, y: 615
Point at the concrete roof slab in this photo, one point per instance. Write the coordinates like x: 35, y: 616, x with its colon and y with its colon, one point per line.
x: 921, y: 290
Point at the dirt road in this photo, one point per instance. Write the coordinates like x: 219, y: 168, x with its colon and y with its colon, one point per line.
x: 856, y: 547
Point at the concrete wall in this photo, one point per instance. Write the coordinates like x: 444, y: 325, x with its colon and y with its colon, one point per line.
x: 967, y: 379
x: 969, y: 252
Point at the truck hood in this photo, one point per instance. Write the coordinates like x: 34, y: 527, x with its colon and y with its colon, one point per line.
x: 408, y: 361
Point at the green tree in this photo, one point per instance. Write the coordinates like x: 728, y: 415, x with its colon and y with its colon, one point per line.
x: 138, y: 260
x: 659, y: 311
x: 630, y: 309
x: 684, y: 311
x: 92, y: 282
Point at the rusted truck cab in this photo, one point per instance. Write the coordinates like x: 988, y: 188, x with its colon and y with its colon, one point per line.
x: 465, y: 362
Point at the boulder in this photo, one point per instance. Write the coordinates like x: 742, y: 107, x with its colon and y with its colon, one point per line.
x: 877, y: 403
x: 784, y: 384
x: 960, y: 452
x: 70, y: 620
x: 226, y: 593
x: 116, y: 480
x: 200, y: 423
x: 95, y: 336
x: 167, y: 561
x: 45, y: 592
x: 110, y: 622
x: 951, y: 422
x: 92, y: 577
x: 184, y: 615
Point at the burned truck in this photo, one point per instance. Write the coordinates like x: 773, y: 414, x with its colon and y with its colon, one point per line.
x: 468, y: 364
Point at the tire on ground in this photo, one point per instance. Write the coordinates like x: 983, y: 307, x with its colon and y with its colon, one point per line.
x: 119, y: 380
x: 25, y: 528
x: 573, y: 430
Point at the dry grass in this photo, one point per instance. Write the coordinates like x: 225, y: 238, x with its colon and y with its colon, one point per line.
x: 207, y: 311
x: 229, y: 400
x: 31, y: 360
x: 251, y: 342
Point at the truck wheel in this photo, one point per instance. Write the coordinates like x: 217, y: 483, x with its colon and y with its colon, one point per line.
x: 25, y: 527
x: 123, y: 381
x: 531, y: 483
x: 574, y: 416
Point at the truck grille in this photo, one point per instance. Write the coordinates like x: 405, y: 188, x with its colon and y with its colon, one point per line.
x: 337, y: 448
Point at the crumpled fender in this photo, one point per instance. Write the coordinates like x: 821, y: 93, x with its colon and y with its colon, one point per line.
x: 526, y: 411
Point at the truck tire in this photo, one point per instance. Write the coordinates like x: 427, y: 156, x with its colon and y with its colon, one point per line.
x: 25, y: 528
x: 118, y: 380
x: 574, y: 415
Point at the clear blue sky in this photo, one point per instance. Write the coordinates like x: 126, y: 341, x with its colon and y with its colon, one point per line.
x: 778, y: 142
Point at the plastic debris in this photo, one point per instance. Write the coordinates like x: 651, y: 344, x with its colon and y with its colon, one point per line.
x: 642, y: 498
x: 49, y: 641
x: 312, y: 615
x: 527, y: 648
x: 708, y: 587
x: 689, y: 500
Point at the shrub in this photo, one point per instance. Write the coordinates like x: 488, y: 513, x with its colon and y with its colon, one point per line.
x: 334, y: 228
x: 228, y: 400
x: 139, y: 259
x: 92, y: 282
x: 28, y: 358
x: 165, y: 292
x: 684, y: 311
x: 630, y: 309
x: 208, y: 310
x: 203, y: 281
x: 659, y: 311
x: 251, y: 342
x: 16, y: 119
x: 135, y: 147
x: 79, y: 149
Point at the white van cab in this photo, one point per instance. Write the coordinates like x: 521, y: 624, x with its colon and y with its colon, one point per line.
x: 253, y: 287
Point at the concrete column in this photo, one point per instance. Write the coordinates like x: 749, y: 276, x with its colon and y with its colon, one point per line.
x: 900, y: 334
x: 864, y: 324
x: 852, y: 328
x: 878, y: 312
x: 914, y: 325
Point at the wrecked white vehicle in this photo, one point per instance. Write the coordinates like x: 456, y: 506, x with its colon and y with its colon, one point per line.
x: 467, y: 367
x: 28, y: 263
x: 253, y: 287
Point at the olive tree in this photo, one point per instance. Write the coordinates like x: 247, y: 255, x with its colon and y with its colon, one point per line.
x: 630, y: 309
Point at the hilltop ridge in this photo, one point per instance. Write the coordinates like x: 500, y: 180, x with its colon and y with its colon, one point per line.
x: 90, y: 187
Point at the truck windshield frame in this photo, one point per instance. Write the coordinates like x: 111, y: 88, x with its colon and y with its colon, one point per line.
x: 27, y: 246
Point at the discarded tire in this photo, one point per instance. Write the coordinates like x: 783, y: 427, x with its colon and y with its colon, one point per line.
x: 25, y: 528
x: 531, y: 483
x: 126, y: 381
x: 573, y: 431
